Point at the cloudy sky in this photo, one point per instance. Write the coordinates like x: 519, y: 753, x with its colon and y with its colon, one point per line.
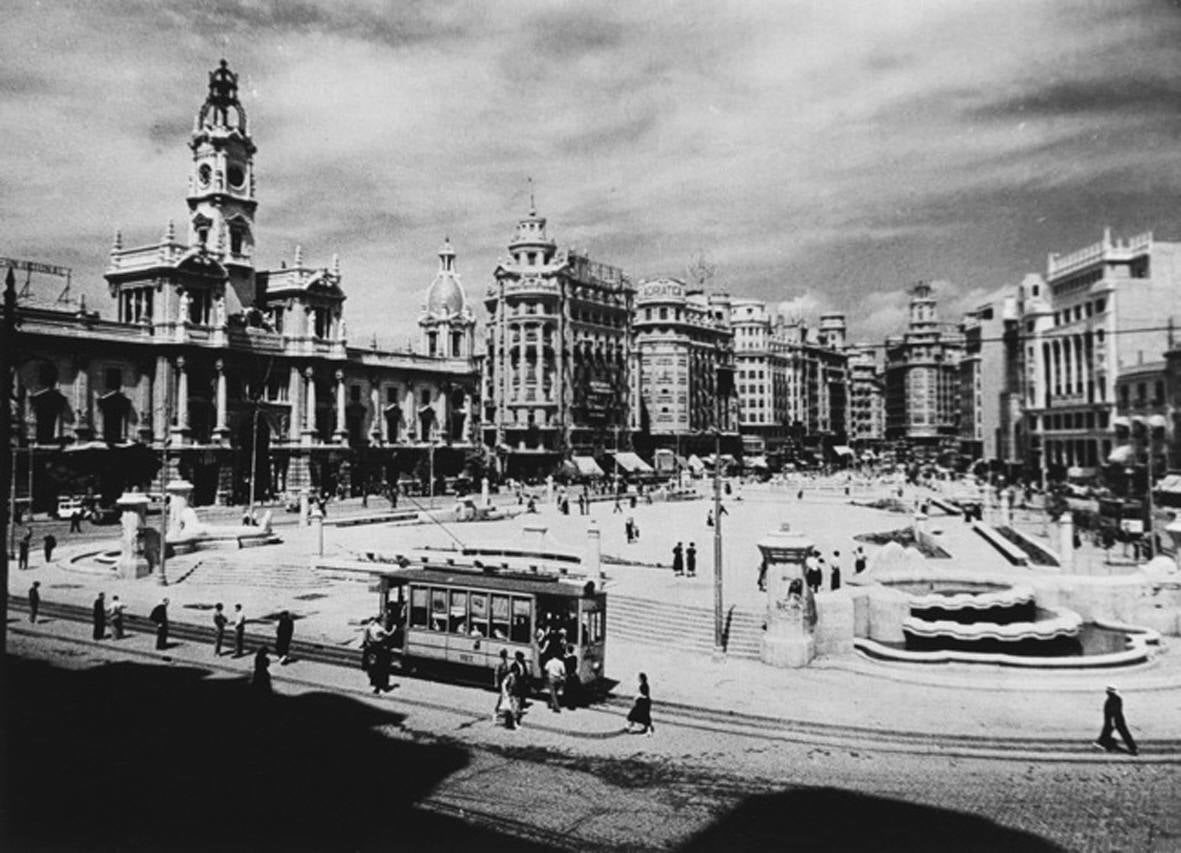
x: 823, y: 154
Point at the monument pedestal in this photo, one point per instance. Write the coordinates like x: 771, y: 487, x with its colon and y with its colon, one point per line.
x: 788, y: 651
x: 134, y: 559
x: 789, y: 639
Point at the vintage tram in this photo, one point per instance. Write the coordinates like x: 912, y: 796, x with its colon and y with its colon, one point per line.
x: 459, y: 618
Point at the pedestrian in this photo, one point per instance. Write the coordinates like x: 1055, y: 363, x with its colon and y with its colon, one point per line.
x: 812, y: 573
x: 555, y: 675
x: 800, y: 495
x: 507, y: 706
x: 1113, y: 717
x: 521, y: 685
x: 858, y: 560
x: 283, y: 633
x: 709, y: 518
x: 219, y: 628
x: 572, y: 687
x: 618, y: 507
x: 762, y: 582
x: 239, y: 631
x: 641, y: 712
x: 261, y: 680
x: 76, y: 521
x: 374, y: 635
x: 159, y: 615
x: 115, y: 617
x: 691, y: 560
x: 23, y: 547
x: 34, y: 601
x: 50, y: 542
x: 678, y: 561
x: 834, y: 576
x: 498, y: 677
x: 380, y: 661
x: 100, y: 617
x: 627, y: 530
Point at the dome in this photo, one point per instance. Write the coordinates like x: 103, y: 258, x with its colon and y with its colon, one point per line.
x: 445, y: 296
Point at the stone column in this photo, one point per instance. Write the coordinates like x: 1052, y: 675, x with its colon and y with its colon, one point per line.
x: 179, y: 494
x: 181, y: 431
x: 221, y: 432
x: 342, y: 433
x: 1006, y: 508
x: 309, y: 425
x: 376, y: 428
x: 133, y: 562
x: 161, y: 389
x: 145, y: 427
x: 1066, y: 541
x: 409, y: 415
x: 294, y: 398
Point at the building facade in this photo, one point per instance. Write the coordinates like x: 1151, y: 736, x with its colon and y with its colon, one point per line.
x: 685, y: 357
x: 559, y: 374
x: 867, y: 412
x: 922, y: 380
x: 244, y: 374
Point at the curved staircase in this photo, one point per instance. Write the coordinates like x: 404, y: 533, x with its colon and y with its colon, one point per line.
x: 683, y: 626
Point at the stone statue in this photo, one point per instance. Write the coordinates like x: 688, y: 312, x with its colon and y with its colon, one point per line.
x: 182, y: 314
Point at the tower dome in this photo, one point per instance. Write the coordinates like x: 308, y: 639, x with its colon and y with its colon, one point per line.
x: 445, y: 296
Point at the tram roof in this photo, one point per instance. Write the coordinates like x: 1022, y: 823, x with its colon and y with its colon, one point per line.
x: 541, y: 585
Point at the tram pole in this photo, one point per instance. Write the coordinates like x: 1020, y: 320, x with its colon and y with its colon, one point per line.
x: 162, y: 575
x: 719, y: 649
x: 7, y: 470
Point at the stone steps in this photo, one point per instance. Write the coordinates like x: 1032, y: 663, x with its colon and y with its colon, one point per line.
x: 682, y: 626
x: 271, y: 575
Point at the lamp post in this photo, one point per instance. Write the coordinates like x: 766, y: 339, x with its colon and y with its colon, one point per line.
x: 718, y: 645
x: 431, y: 485
x: 162, y: 575
x: 1150, y: 439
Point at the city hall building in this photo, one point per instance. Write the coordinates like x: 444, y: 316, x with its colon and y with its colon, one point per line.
x: 243, y: 374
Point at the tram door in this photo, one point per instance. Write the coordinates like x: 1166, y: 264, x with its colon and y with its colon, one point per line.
x: 592, y: 638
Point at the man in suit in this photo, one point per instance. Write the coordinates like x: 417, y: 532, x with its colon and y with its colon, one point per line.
x: 159, y: 615
x: 239, y: 631
x: 100, y: 617
x: 34, y: 601
x: 219, y: 627
x: 1113, y: 717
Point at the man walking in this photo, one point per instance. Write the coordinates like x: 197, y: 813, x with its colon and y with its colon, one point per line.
x: 115, y: 617
x: 34, y: 601
x: 159, y: 615
x: 283, y: 634
x: 219, y: 628
x: 100, y: 617
x: 23, y: 549
x: 691, y: 560
x: 1113, y: 717
x: 239, y: 631
x: 555, y: 675
x: 50, y: 543
x: 678, y: 561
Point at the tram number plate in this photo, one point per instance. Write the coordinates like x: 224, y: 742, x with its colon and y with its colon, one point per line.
x: 467, y: 658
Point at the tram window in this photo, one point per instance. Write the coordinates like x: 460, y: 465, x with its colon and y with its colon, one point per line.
x: 500, y: 617
x: 458, y: 613
x: 479, y: 622
x: 418, y: 608
x: 438, y: 610
x: 522, y: 613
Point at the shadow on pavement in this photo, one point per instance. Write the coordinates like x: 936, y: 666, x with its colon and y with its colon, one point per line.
x: 833, y: 819
x: 147, y: 757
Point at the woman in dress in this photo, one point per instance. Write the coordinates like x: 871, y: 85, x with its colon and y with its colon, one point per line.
x: 261, y: 682
x: 641, y: 712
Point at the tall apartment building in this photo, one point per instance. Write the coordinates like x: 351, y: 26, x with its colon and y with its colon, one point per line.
x: 922, y: 378
x: 685, y: 357
x: 1100, y: 311
x: 559, y: 378
x: 867, y: 412
x: 988, y: 379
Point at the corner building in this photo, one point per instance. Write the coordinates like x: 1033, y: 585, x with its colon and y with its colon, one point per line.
x: 559, y: 378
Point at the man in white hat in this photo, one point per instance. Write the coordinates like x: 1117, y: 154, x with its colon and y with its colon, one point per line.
x: 1113, y: 717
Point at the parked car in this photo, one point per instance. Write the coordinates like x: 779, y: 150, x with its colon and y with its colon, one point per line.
x: 67, y: 506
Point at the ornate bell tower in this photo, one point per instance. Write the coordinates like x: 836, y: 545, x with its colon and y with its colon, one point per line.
x: 221, y: 186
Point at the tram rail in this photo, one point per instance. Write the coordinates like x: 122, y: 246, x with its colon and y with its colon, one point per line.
x: 819, y: 734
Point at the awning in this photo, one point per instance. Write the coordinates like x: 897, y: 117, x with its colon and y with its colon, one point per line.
x: 696, y: 464
x: 630, y: 462
x: 842, y: 450
x: 1122, y: 455
x: 587, y: 466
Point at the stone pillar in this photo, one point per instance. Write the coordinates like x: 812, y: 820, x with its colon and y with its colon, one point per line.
x: 83, y: 426
x: 181, y: 431
x: 133, y: 562
x: 180, y: 493
x: 304, y: 500
x: 485, y: 498
x: 221, y: 433
x: 409, y: 416
x: 594, y: 552
x: 309, y: 425
x: 1006, y: 508
x: 1066, y: 541
x: 549, y: 488
x: 342, y: 433
x: 145, y: 428
x: 791, y: 609
x: 294, y: 399
x: 376, y: 428
x: 318, y: 528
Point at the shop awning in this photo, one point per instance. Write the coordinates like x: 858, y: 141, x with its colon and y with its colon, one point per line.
x: 587, y: 466
x: 631, y: 462
x: 1122, y: 455
x: 842, y: 450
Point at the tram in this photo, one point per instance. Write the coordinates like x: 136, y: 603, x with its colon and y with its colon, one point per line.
x: 463, y: 616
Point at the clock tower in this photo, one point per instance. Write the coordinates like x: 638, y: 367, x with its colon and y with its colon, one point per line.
x: 221, y: 187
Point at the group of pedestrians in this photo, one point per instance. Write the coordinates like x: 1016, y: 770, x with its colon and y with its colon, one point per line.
x: 221, y: 622
x: 104, y: 614
x: 815, y: 568
x: 685, y: 560
x: 48, y: 543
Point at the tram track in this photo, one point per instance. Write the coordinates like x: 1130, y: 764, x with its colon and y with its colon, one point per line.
x: 683, y: 715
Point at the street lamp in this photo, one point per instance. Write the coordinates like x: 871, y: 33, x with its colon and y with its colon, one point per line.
x: 431, y: 485
x: 718, y: 644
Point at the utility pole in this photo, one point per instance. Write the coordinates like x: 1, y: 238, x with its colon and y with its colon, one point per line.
x: 7, y: 361
x: 718, y: 644
x: 162, y: 575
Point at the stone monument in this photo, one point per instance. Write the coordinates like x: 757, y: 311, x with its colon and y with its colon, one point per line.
x: 791, y: 609
x: 133, y: 560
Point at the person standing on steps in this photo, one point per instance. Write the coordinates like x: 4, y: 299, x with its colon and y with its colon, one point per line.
x: 159, y: 615
x: 34, y: 601
x: 1113, y: 717
x: 678, y: 561
x: 691, y: 560
x: 239, y: 631
x: 100, y: 617
x: 219, y: 628
x: 283, y: 634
